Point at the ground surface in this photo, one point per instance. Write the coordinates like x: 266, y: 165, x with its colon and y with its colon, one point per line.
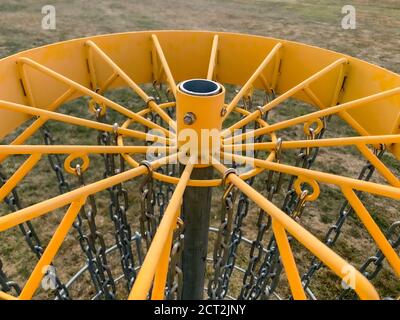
x: 376, y: 39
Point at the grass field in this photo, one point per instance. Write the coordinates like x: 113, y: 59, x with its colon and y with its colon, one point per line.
x: 376, y: 39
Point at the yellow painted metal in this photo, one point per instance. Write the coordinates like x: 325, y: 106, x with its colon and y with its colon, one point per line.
x: 21, y: 172
x: 246, y: 87
x: 359, y: 142
x: 203, y: 135
x: 290, y: 93
x: 195, y: 183
x: 370, y: 187
x: 213, y: 59
x: 148, y: 270
x: 164, y: 64
x: 97, y: 97
x: 81, y: 122
x: 161, y: 273
x: 118, y: 71
x: 6, y: 296
x: 67, y: 149
x: 347, y: 185
x: 315, y: 115
x: 15, y: 218
x: 181, y: 49
x: 364, y: 288
x: 288, y: 261
x: 51, y: 250
x: 327, y: 142
x: 367, y: 97
x: 373, y: 229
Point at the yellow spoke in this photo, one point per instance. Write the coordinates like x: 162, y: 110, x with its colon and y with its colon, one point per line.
x: 164, y: 64
x: 364, y: 288
x: 20, y: 174
x: 97, y: 97
x: 68, y: 149
x: 371, y: 187
x: 269, y: 106
x: 373, y: 229
x: 143, y: 95
x: 314, y: 115
x: 317, y: 143
x: 51, y: 250
x: 15, y: 218
x: 213, y: 58
x: 145, y: 277
x: 251, y: 80
x: 81, y: 122
x: 288, y: 261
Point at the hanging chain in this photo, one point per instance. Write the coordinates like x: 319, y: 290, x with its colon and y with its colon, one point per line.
x: 335, y: 230
x: 94, y: 246
x: 119, y: 203
x: 230, y: 231
x: 175, y: 275
x: 55, y: 162
x: 216, y: 285
x: 148, y: 219
x: 14, y: 204
x: 305, y: 159
x: 255, y: 272
x: 263, y: 281
x: 119, y: 206
x: 374, y: 264
x: 7, y: 285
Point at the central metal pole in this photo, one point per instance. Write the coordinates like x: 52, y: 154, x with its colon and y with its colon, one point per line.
x: 199, y: 105
x: 196, y: 216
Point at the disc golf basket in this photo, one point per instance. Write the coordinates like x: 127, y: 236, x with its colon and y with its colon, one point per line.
x: 102, y: 199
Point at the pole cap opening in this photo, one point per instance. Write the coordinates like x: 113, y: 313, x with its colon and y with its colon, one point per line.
x: 200, y: 87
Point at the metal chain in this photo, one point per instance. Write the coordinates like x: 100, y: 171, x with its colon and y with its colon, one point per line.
x: 14, y: 204
x: 119, y: 206
x: 254, y: 272
x: 175, y: 275
x: 334, y: 231
x: 94, y: 246
x: 148, y: 219
x: 55, y: 161
x: 262, y: 282
x: 224, y: 272
x: 216, y: 285
x: 374, y: 264
x: 119, y: 203
x: 7, y: 285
